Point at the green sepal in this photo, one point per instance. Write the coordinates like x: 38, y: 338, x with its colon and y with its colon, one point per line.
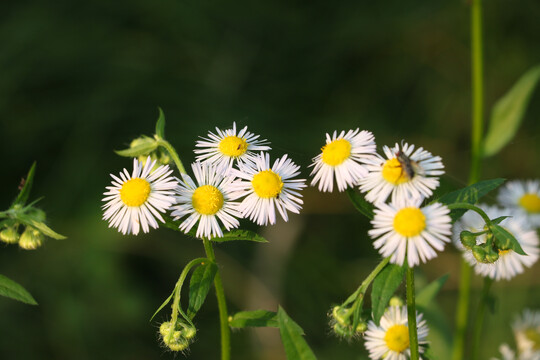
x: 296, y: 347
x: 199, y: 285
x: 360, y: 203
x: 508, y: 112
x: 385, y: 285
x: 425, y: 296
x: 27, y: 186
x: 245, y: 235
x: 145, y: 146
x: 160, y: 124
x: 504, y: 239
x: 256, y: 318
x: 13, y: 290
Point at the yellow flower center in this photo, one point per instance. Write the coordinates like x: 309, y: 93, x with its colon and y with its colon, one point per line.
x: 267, y: 184
x: 531, y: 202
x: 397, y: 338
x: 207, y: 200
x: 393, y: 172
x: 336, y: 152
x: 409, y: 222
x: 534, y: 336
x: 233, y: 146
x: 135, y: 192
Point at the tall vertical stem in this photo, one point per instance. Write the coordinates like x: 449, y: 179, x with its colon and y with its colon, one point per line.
x: 477, y: 332
x: 411, y: 314
x: 222, y: 305
x: 477, y: 84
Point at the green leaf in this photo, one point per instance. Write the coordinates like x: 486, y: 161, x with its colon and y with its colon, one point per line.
x: 11, y: 289
x: 294, y: 343
x: 499, y: 219
x: 199, y: 285
x: 143, y: 148
x: 360, y: 203
x: 245, y: 235
x: 47, y: 231
x: 470, y: 194
x: 167, y: 300
x: 160, y: 124
x: 26, y: 186
x: 505, y: 238
x: 508, y: 112
x: 425, y: 296
x: 256, y: 318
x: 384, y: 287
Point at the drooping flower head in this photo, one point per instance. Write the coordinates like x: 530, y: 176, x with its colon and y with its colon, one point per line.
x: 206, y: 201
x: 341, y: 158
x: 227, y: 147
x: 267, y: 188
x: 135, y: 200
x: 390, y: 340
x: 404, y: 173
x: 509, y: 263
x: 402, y: 228
x: 524, y: 196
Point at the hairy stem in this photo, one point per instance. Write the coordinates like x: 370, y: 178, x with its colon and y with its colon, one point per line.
x: 411, y: 314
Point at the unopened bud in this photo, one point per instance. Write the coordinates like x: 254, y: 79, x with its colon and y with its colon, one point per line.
x: 9, y: 235
x: 492, y: 256
x: 339, y: 315
x: 468, y: 239
x: 479, y: 253
x: 30, y: 239
x: 361, y: 328
x: 343, y: 331
x: 396, y: 301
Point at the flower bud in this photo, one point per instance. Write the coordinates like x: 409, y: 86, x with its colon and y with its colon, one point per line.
x: 479, y: 253
x: 177, y: 337
x: 361, y: 328
x: 492, y: 255
x: 396, y: 301
x: 468, y: 239
x: 343, y: 330
x: 30, y: 239
x: 9, y: 235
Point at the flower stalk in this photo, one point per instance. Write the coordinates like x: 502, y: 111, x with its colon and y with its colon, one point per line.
x: 411, y: 314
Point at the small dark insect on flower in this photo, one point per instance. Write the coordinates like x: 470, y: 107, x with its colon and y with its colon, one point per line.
x: 21, y: 184
x: 410, y: 167
x: 238, y: 147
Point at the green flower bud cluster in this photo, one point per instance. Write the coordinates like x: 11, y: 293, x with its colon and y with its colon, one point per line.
x: 488, y: 251
x: 178, y: 336
x: 144, y: 147
x: 342, y: 323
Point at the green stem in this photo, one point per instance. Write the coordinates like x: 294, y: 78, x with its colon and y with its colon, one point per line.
x: 170, y: 149
x: 477, y: 332
x: 476, y: 209
x: 365, y: 284
x: 411, y: 314
x: 222, y: 305
x: 462, y: 311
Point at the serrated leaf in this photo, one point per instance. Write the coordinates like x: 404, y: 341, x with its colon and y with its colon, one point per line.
x: 160, y: 124
x: 502, y: 235
x: 199, y: 285
x: 469, y: 194
x: 143, y: 148
x: 360, y: 203
x: 26, y: 186
x: 244, y: 235
x: 12, y: 290
x: 508, y: 112
x: 425, y: 296
x: 256, y: 318
x: 384, y: 287
x: 296, y: 347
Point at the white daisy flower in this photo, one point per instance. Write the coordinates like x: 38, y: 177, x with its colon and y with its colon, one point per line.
x: 509, y: 263
x: 226, y: 147
x: 342, y: 155
x: 523, y: 196
x: 508, y: 354
x: 527, y: 332
x: 206, y: 201
x: 267, y: 188
x: 390, y: 340
x: 135, y: 200
x: 404, y: 173
x: 402, y: 228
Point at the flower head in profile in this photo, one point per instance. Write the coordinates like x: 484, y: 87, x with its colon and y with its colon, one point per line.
x: 341, y: 158
x: 206, y: 201
x: 227, y: 147
x: 267, y: 188
x: 404, y: 173
x: 404, y: 228
x: 508, y: 263
x: 135, y: 200
x: 524, y: 196
x: 390, y: 340
x: 527, y: 333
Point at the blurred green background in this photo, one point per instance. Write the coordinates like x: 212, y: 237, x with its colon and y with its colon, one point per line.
x: 80, y: 79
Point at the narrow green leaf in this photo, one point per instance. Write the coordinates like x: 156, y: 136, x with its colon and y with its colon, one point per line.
x: 469, y: 194
x: 167, y: 300
x: 508, y: 112
x: 245, y: 235
x: 11, y: 289
x: 199, y: 285
x: 425, y: 296
x: 160, y: 124
x: 296, y: 347
x: 144, y: 148
x: 360, y: 203
x: 384, y: 287
x: 506, y: 238
x: 26, y: 184
x: 256, y: 318
x: 499, y: 219
x: 47, y: 231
